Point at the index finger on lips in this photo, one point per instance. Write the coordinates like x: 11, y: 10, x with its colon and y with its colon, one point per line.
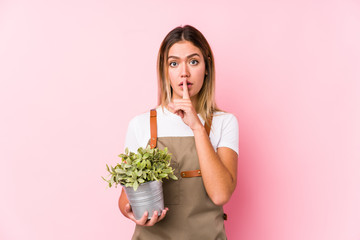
x: 185, y: 90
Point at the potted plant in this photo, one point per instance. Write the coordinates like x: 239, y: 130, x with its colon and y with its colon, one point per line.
x: 141, y: 176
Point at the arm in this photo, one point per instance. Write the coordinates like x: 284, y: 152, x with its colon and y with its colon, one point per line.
x: 123, y: 203
x: 219, y: 169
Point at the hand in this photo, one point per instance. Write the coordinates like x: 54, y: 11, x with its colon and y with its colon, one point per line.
x: 143, y: 221
x: 184, y: 108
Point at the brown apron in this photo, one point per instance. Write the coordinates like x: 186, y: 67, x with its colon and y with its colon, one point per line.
x: 191, y: 215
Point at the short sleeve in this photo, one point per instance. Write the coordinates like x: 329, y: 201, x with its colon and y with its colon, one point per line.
x: 131, y: 140
x: 230, y: 133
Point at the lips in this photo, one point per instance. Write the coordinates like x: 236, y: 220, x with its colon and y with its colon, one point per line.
x: 188, y: 84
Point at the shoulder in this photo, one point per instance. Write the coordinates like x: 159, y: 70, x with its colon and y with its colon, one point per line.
x: 224, y: 115
x: 138, y: 132
x: 225, y: 131
x: 141, y: 122
x: 139, y: 119
x: 224, y: 119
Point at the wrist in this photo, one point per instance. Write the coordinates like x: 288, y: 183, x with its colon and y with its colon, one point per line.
x: 200, y: 129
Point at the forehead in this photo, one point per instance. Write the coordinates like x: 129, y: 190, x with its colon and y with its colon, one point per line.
x: 183, y: 49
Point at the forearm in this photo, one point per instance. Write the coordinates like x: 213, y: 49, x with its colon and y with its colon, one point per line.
x: 218, y: 180
x: 123, y: 200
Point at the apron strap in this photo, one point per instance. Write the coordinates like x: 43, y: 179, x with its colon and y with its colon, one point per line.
x: 208, y: 127
x: 192, y: 173
x: 153, y: 128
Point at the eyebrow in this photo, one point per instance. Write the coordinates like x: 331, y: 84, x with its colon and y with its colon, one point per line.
x: 190, y: 56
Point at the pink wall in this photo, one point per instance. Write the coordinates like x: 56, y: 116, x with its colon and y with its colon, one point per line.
x: 73, y: 72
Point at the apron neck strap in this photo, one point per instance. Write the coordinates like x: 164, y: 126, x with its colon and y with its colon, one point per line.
x: 208, y: 126
x: 153, y: 128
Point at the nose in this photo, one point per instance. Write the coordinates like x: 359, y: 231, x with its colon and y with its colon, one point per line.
x: 184, y: 71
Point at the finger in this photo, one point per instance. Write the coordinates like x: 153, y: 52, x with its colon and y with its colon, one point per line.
x: 185, y: 90
x: 171, y: 106
x: 129, y: 212
x: 153, y: 219
x: 183, y: 104
x: 128, y: 208
x: 182, y: 107
x: 180, y: 113
x: 185, y: 101
x: 174, y: 108
x: 143, y: 219
x: 163, y: 213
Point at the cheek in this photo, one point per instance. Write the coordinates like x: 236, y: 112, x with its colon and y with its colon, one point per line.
x: 200, y: 75
x: 172, y: 73
x: 172, y: 77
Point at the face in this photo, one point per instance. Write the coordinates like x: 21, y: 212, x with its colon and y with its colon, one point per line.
x: 185, y: 61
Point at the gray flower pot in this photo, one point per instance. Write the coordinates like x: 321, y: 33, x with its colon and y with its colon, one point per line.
x: 148, y: 197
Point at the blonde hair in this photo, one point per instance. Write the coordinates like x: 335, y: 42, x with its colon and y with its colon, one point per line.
x: 206, y: 105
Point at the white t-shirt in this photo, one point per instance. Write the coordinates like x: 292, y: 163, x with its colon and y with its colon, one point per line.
x: 224, y: 129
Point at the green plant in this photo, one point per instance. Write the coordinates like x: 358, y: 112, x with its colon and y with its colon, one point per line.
x: 144, y: 166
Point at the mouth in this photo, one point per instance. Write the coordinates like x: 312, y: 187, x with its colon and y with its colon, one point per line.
x: 187, y: 83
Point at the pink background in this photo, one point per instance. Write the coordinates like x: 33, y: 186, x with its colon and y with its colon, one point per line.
x: 74, y: 72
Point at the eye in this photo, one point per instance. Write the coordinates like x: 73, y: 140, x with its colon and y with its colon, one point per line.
x: 173, y: 64
x: 194, y: 62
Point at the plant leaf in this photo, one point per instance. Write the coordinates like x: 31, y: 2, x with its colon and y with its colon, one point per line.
x: 172, y: 176
x: 118, y: 170
x: 163, y: 175
x: 135, y: 185
x: 148, y: 164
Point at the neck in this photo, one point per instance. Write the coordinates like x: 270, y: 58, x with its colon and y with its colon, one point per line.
x: 194, y: 101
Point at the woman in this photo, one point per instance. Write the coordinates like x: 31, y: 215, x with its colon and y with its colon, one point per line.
x: 205, y: 160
